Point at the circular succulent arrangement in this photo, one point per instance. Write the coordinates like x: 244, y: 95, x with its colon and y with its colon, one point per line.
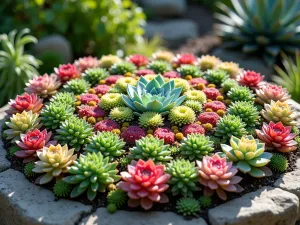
x: 143, y: 131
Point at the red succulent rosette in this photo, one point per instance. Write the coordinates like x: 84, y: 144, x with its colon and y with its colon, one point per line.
x: 145, y: 183
x: 209, y: 117
x: 133, y: 133
x: 91, y: 111
x: 166, y: 134
x: 112, y: 79
x: 25, y: 102
x: 138, y: 60
x: 250, y: 79
x: 67, y: 72
x: 32, y: 142
x: 106, y: 125
x: 192, y: 128
x: 87, y: 98
x: 171, y: 74
x: 102, y: 89
x: 195, y: 81
x: 185, y: 58
x: 215, y: 106
x: 277, y: 136
x: 211, y: 93
x: 85, y: 63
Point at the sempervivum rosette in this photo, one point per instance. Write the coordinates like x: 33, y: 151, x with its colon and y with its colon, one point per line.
x: 250, y: 79
x: 271, y: 92
x: 145, y: 183
x: 85, y: 63
x: 218, y: 175
x: 27, y: 102
x: 67, y: 72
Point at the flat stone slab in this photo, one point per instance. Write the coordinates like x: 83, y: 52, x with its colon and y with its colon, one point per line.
x: 101, y: 216
x: 266, y: 206
x: 24, y: 203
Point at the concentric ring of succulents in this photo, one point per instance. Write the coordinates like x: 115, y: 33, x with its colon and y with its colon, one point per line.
x: 145, y: 183
x: 67, y: 72
x: 121, y: 114
x: 159, y: 66
x: 188, y: 206
x: 66, y: 98
x: 248, y: 113
x: 184, y: 177
x: 271, y: 92
x: 108, y: 143
x: 279, y: 112
x: 94, y: 75
x: 216, y: 76
x: 195, y: 146
x: 123, y: 82
x: 195, y: 95
x: 107, y: 61
x: 150, y: 148
x: 218, y: 175
x: 182, y: 115
x: 111, y: 100
x: 250, y: 79
x: 153, y: 96
x: 44, y: 86
x: 85, y: 63
x: 249, y: 155
x: 77, y: 86
x: 208, y: 62
x: 75, y: 132
x: 194, y: 105
x: 278, y: 137
x: 122, y: 68
x: 230, y: 125
x: 55, y: 113
x: 20, y: 123
x: 228, y: 84
x: 240, y: 93
x: 54, y: 161
x: 91, y: 173
x: 151, y: 119
x: 191, y: 70
x: 25, y: 102
x: 32, y: 142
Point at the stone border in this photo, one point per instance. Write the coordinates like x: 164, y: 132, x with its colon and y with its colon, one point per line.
x: 24, y: 203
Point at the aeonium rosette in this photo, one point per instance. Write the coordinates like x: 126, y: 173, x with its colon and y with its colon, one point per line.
x: 25, y: 102
x: 145, y: 183
x: 32, y: 142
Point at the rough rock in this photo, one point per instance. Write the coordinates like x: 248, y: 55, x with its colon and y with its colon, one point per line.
x: 24, y: 203
x: 267, y: 205
x: 101, y: 216
x: 56, y: 44
x: 165, y: 8
x: 245, y: 61
x: 4, y: 163
x: 172, y: 31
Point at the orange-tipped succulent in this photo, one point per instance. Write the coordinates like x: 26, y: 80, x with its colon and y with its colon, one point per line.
x: 25, y: 102
x: 271, y: 92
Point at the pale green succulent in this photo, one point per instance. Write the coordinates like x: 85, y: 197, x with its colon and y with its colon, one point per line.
x: 155, y: 96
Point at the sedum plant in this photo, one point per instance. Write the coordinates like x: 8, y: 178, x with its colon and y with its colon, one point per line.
x: 151, y: 119
x: 249, y: 155
x: 191, y: 70
x: 240, y: 93
x: 94, y: 75
x: 108, y: 143
x: 122, y: 68
x: 121, y: 114
x: 66, y: 98
x: 188, y: 206
x: 248, y: 26
x: 182, y: 115
x: 216, y: 76
x: 111, y: 100
x: 159, y: 66
x: 150, y: 148
x: 16, y: 67
x: 91, y: 173
x: 155, y: 95
x: 76, y: 86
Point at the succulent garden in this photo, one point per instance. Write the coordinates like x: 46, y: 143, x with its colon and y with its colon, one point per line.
x: 168, y: 132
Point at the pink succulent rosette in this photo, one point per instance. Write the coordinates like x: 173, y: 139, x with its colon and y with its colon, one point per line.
x: 185, y: 58
x: 138, y: 60
x: 250, y: 79
x: 218, y: 175
x: 145, y: 183
x: 85, y: 63
x: 277, y: 136
x: 67, y: 72
x: 271, y: 92
x: 33, y: 142
x: 25, y: 102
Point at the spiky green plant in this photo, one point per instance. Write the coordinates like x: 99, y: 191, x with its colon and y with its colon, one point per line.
x: 194, y: 105
x: 66, y: 98
x: 240, y: 93
x: 246, y: 111
x: 230, y: 125
x: 153, y: 96
x: 121, y: 114
x: 108, y: 143
x: 13, y: 149
x: 122, y: 68
x: 188, y: 206
x: 195, y: 146
x: 228, y: 84
x: 151, y: 119
x: 117, y: 197
x: 91, y: 173
x: 28, y: 169
x: 184, y: 177
x: 111, y: 100
x: 62, y: 189
x: 55, y: 113
x: 216, y: 76
x: 94, y: 75
x: 159, y: 66
x: 76, y: 86
x: 150, y: 148
x: 264, y: 27
x: 16, y: 68
x: 278, y: 163
x: 191, y: 70
x: 289, y: 76
x: 182, y: 115
x: 195, y: 95
x: 75, y: 132
x: 205, y: 201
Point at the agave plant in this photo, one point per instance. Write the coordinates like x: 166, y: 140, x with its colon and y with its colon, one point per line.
x: 16, y: 68
x: 267, y: 26
x: 155, y: 96
x: 289, y: 78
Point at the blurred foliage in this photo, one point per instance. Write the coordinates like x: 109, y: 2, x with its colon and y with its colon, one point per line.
x: 50, y: 60
x: 92, y: 26
x: 16, y: 67
x: 145, y: 47
x: 289, y: 75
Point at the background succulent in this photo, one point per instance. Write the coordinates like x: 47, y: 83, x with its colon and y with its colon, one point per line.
x: 228, y: 84
x: 216, y: 76
x: 159, y: 66
x: 76, y: 86
x: 191, y: 70
x: 94, y: 75
x: 122, y: 68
